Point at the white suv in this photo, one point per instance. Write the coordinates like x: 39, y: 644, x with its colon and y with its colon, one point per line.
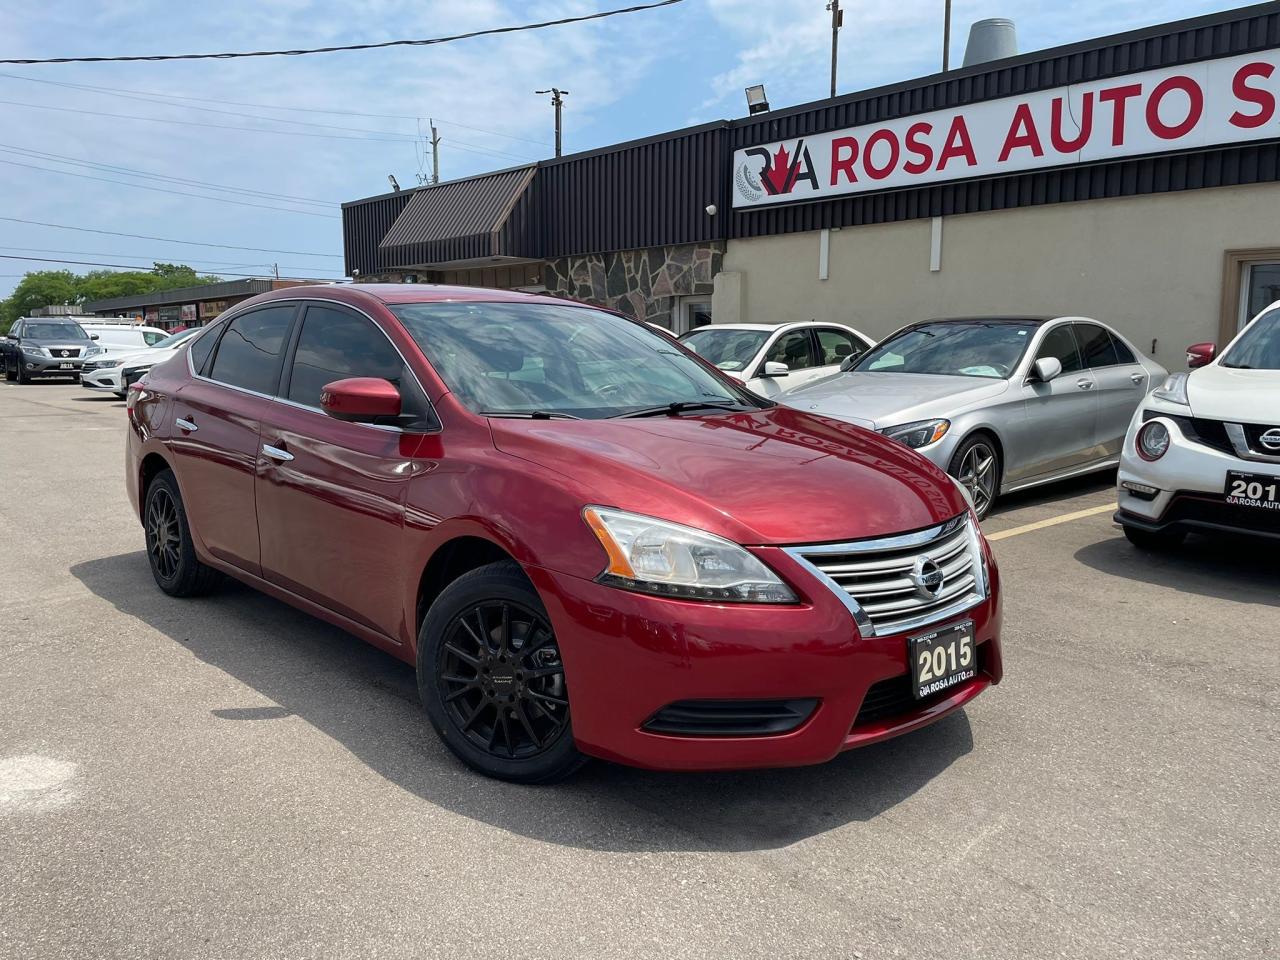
x: 1203, y: 452
x: 111, y: 372
x: 769, y: 359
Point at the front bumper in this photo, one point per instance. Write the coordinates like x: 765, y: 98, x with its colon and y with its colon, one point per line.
x: 1190, y: 480
x: 105, y: 378
x: 629, y: 655
x: 48, y: 366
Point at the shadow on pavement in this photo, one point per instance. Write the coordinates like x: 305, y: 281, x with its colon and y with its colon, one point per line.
x: 1239, y: 569
x: 1090, y: 483
x: 368, y: 702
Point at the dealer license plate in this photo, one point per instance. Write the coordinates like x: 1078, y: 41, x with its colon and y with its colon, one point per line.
x: 942, y: 659
x: 1253, y: 490
x: 66, y: 366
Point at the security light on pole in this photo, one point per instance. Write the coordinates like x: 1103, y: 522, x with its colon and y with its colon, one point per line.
x: 756, y: 100
x: 557, y: 101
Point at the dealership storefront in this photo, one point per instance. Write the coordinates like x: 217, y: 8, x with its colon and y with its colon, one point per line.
x: 1133, y: 178
x: 184, y: 307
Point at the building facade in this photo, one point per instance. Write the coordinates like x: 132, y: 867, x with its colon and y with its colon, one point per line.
x: 184, y: 307
x: 1134, y: 178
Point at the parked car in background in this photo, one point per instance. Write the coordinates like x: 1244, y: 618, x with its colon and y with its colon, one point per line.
x: 769, y: 359
x: 1000, y: 403
x: 114, y: 370
x: 123, y: 336
x: 1203, y: 452
x: 558, y: 519
x: 38, y: 347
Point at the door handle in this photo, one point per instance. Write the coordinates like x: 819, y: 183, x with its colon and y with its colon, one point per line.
x: 1084, y: 384
x: 1137, y: 377
x: 183, y: 424
x: 276, y: 454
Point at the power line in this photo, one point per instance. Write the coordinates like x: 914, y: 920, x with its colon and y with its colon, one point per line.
x: 130, y: 266
x: 491, y: 31
x: 191, y: 243
x: 180, y: 193
x: 162, y: 177
x: 202, y: 264
x: 139, y: 94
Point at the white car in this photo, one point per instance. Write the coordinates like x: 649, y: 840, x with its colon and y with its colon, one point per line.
x: 116, y: 337
x: 110, y: 371
x: 769, y: 359
x: 1203, y: 453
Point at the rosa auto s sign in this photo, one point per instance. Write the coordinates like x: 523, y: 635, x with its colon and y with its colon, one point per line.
x: 1215, y: 102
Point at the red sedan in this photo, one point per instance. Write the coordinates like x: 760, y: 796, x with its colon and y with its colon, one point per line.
x: 588, y: 541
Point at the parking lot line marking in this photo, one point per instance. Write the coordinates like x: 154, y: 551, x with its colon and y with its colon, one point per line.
x: 1052, y: 521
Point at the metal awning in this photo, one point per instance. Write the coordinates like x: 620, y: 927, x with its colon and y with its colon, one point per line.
x: 457, y: 220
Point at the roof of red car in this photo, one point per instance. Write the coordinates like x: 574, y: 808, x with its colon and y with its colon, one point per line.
x: 430, y: 292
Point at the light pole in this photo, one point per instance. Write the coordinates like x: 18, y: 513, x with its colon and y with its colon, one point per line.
x: 557, y: 101
x: 837, y: 21
x: 946, y: 36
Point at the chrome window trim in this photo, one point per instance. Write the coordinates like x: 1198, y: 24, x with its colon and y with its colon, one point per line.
x: 1236, y: 434
x: 303, y: 406
x: 866, y: 628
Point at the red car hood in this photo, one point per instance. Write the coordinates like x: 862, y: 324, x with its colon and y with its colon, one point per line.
x: 768, y: 477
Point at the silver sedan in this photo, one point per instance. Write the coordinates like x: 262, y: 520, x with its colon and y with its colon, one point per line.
x: 1000, y: 403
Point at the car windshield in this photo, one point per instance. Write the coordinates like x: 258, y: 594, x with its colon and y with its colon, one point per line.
x: 53, y: 331
x: 1259, y: 346
x: 957, y: 348
x: 544, y: 359
x: 728, y: 349
x: 171, y: 341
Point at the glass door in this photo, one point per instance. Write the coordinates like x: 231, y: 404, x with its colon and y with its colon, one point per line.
x: 693, y: 312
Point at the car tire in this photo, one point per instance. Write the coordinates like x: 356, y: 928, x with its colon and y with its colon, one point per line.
x: 170, y: 551
x: 492, y: 681
x: 20, y: 374
x: 1154, y: 540
x: 10, y: 374
x: 976, y: 464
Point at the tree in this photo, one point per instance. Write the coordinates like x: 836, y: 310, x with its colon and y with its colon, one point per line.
x: 38, y: 289
x: 44, y: 288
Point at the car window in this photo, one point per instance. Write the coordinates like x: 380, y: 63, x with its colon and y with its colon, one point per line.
x: 1096, y: 345
x: 955, y: 348
x: 203, y: 346
x: 1060, y: 343
x: 727, y: 348
x: 794, y: 349
x: 834, y: 345
x: 38, y: 330
x: 152, y: 338
x: 1258, y: 348
x: 509, y: 359
x: 334, y: 345
x: 1123, y: 353
x: 248, y: 354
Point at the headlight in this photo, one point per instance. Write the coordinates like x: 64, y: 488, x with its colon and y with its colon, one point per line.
x: 1173, y: 390
x: 107, y: 364
x: 35, y: 351
x: 655, y: 556
x: 918, y: 434
x: 92, y: 351
x: 1153, y: 440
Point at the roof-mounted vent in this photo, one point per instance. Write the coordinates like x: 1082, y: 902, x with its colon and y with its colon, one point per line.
x: 992, y: 39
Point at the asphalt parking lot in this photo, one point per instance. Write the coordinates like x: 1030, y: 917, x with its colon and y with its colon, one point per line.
x: 226, y: 777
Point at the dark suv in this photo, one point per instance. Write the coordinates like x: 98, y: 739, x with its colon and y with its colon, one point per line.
x: 36, y: 348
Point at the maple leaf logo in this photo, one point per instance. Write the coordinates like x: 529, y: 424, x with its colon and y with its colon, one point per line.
x: 779, y: 172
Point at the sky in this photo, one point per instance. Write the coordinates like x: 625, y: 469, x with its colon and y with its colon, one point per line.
x: 296, y: 136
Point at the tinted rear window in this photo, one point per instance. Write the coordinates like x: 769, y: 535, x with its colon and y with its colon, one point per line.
x: 249, y: 352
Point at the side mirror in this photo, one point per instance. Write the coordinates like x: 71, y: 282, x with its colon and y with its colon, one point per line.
x: 847, y: 363
x: 360, y: 399
x: 772, y: 368
x: 93, y: 336
x: 1046, y: 369
x: 1200, y: 354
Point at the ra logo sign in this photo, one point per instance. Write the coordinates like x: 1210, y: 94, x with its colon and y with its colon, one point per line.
x: 765, y: 173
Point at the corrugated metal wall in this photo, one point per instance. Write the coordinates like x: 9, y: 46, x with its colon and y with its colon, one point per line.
x: 654, y: 192
x: 1220, y: 35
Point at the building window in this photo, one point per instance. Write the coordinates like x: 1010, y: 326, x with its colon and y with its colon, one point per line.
x: 1250, y: 283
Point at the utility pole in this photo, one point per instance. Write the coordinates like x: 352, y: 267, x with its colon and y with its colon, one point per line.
x: 946, y: 36
x: 276, y: 268
x: 557, y: 101
x: 837, y: 21
x: 435, y: 152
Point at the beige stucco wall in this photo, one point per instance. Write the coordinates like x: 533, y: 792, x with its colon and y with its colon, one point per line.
x: 1151, y: 266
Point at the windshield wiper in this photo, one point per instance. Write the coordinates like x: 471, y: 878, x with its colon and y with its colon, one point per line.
x: 529, y: 414
x: 682, y: 406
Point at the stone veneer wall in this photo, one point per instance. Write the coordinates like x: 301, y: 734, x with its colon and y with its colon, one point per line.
x: 642, y: 283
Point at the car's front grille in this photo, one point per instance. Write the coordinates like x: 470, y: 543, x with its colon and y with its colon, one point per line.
x: 893, y: 697
x: 730, y: 718
x: 1217, y: 433
x: 1253, y: 434
x: 885, y: 582
x: 64, y: 353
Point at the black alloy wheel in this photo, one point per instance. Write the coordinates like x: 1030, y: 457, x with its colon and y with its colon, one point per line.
x: 491, y: 677
x: 170, y: 551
